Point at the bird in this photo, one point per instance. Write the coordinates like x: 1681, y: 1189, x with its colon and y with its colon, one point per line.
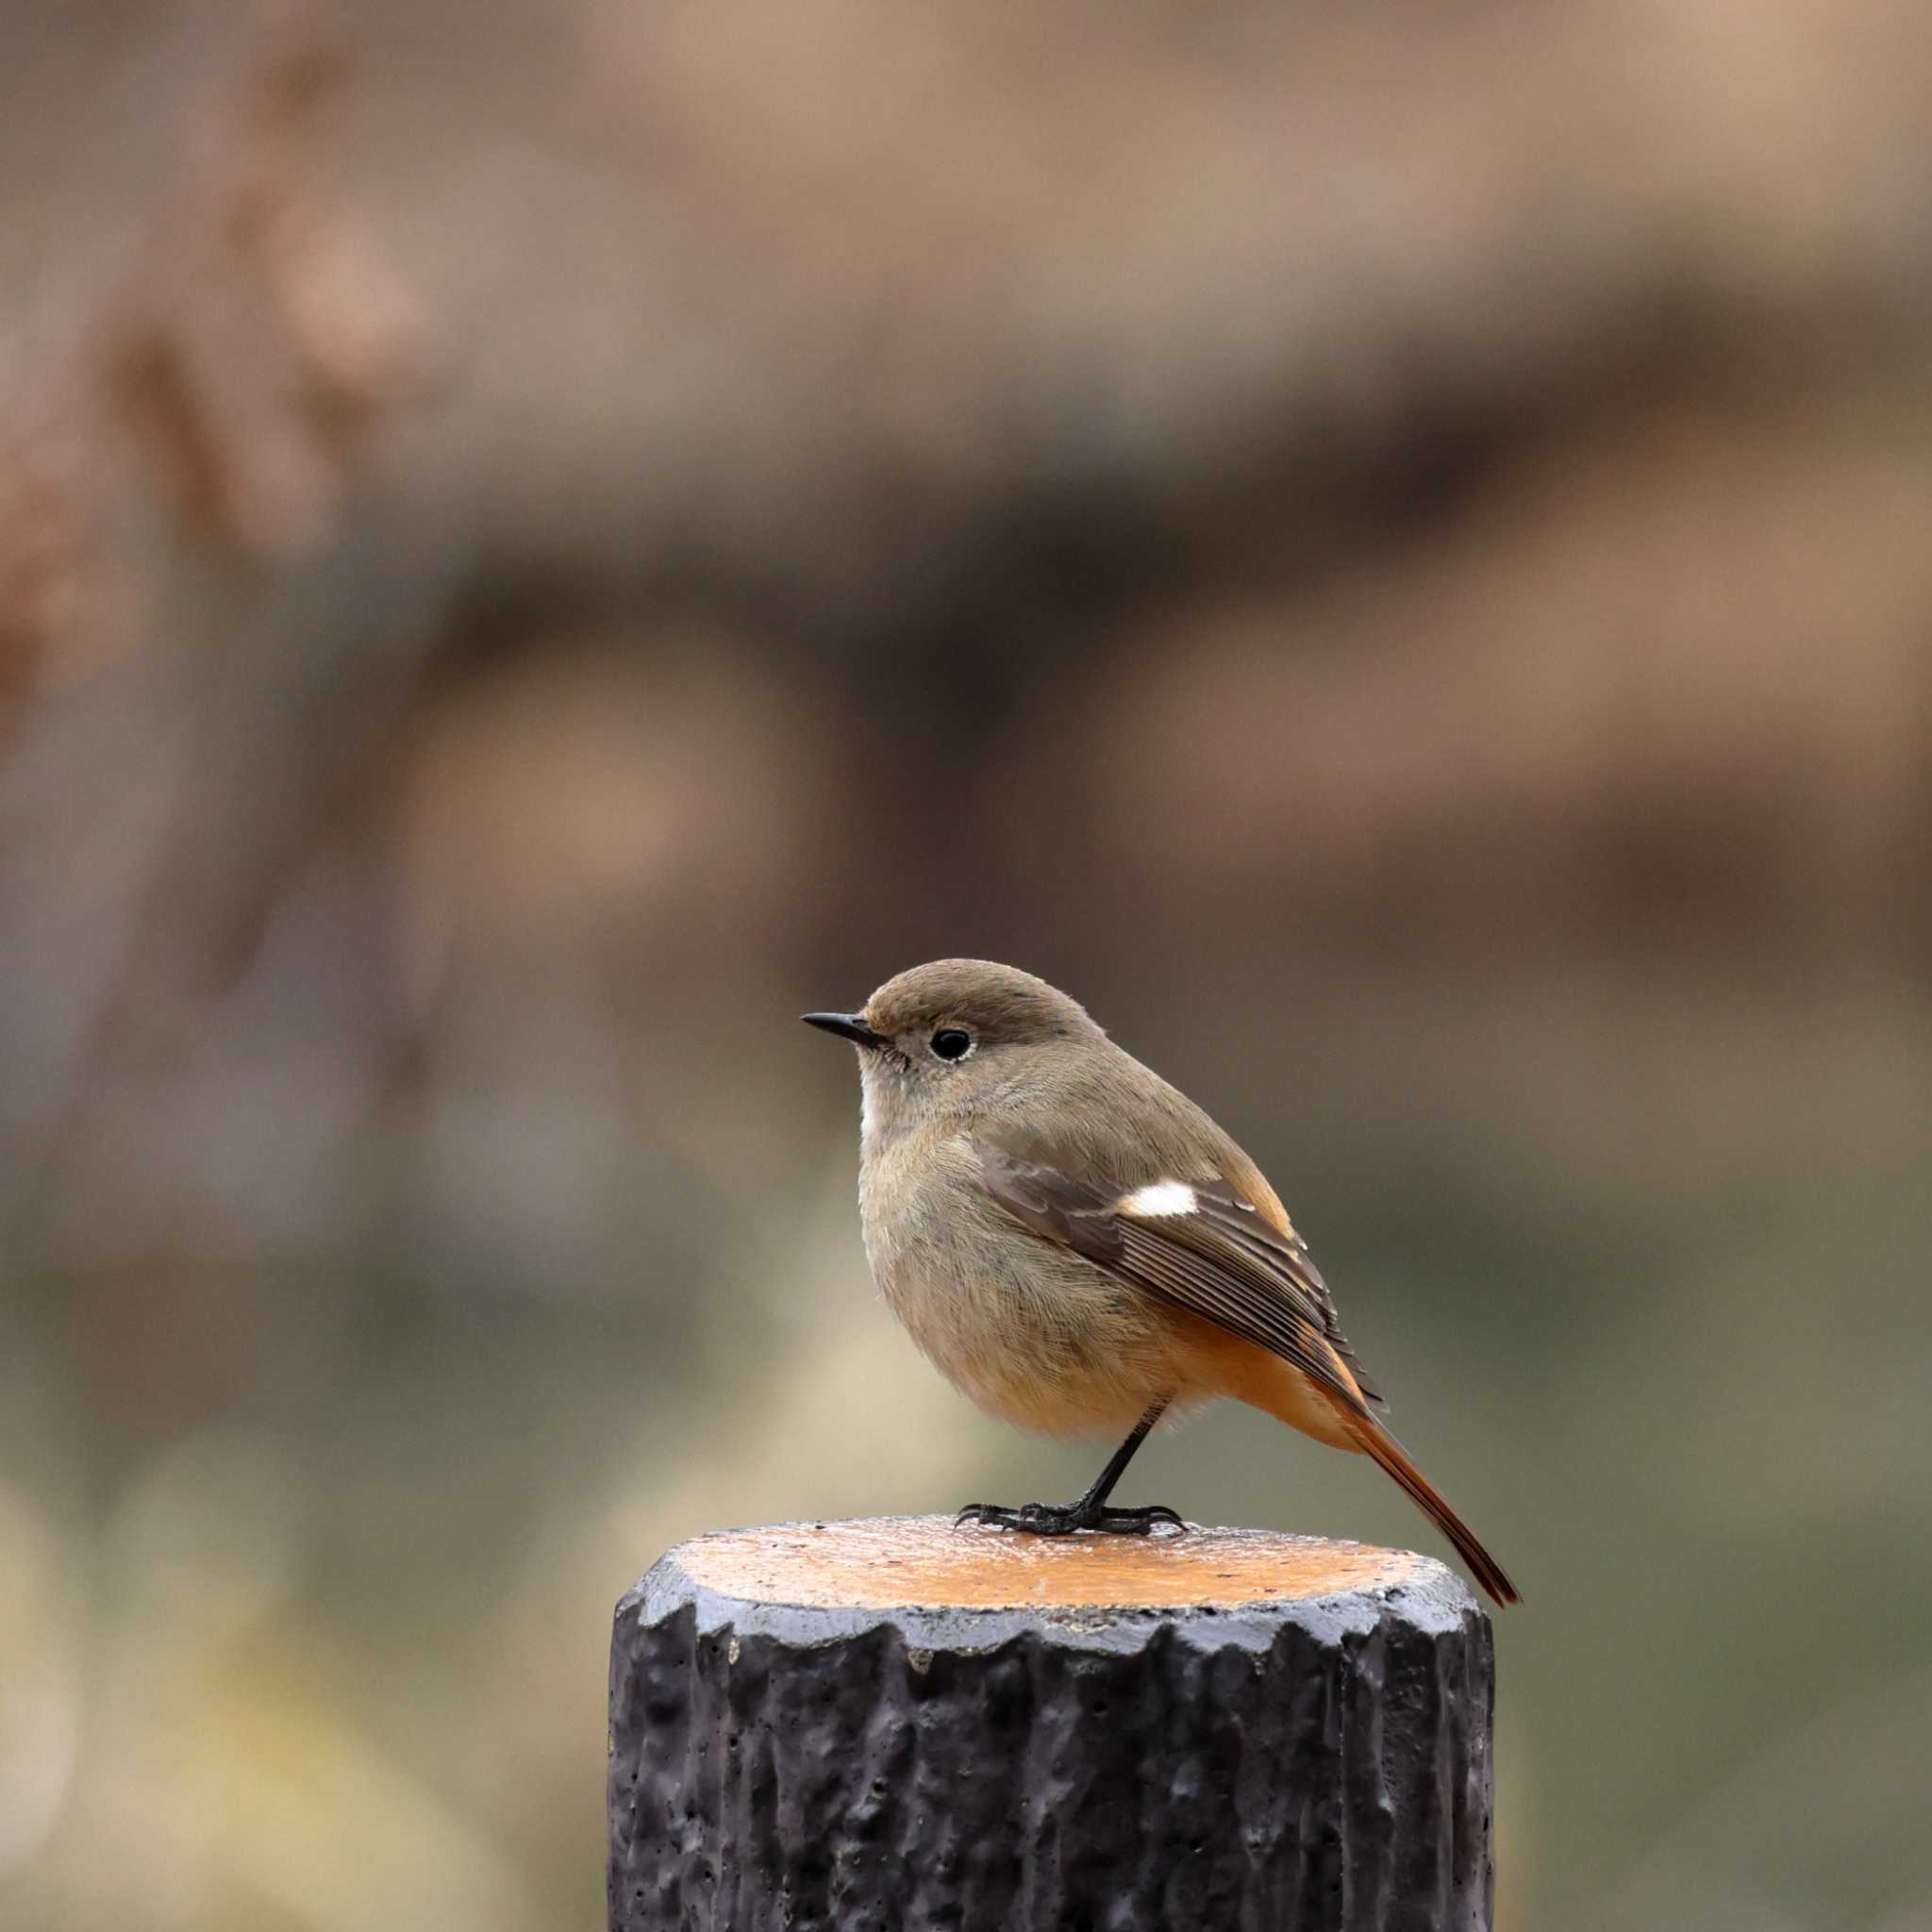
x: 1079, y: 1248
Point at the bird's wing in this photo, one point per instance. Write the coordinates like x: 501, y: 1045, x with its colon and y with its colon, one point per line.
x: 1199, y: 1244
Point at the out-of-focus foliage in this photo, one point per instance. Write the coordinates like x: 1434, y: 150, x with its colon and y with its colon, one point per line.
x: 1387, y: 550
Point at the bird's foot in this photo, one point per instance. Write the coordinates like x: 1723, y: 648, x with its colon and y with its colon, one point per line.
x: 1048, y: 1519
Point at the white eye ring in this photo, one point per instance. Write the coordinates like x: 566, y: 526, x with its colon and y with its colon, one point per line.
x: 949, y: 1034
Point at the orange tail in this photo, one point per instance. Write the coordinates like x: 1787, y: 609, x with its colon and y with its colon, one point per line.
x: 1379, y: 1443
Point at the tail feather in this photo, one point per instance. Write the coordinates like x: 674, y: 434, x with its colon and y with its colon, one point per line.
x: 1376, y: 1441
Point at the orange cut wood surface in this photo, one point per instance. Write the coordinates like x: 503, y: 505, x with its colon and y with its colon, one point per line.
x: 926, y: 1561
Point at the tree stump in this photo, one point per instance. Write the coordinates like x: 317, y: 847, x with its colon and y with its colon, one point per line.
x: 898, y: 1724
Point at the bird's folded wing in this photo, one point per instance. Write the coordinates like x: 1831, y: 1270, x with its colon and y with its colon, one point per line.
x: 1199, y: 1245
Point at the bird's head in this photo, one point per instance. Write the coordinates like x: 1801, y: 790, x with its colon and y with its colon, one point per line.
x: 940, y: 1039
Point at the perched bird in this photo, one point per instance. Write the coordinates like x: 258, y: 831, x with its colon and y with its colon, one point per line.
x: 1079, y: 1248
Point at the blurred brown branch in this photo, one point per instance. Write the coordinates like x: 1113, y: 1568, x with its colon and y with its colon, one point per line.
x: 270, y: 337
x: 249, y: 362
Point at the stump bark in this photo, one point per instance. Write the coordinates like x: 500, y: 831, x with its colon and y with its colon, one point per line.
x: 898, y: 1724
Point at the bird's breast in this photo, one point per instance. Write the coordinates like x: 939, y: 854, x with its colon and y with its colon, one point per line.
x: 1029, y: 1331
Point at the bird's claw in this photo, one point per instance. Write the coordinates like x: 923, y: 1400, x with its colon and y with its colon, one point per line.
x: 1048, y: 1519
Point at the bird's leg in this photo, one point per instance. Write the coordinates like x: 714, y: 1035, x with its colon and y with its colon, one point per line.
x: 1090, y: 1512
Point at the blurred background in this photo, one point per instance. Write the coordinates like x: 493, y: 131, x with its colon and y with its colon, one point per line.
x: 1387, y: 554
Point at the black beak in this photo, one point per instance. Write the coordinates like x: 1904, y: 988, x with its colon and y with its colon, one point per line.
x: 850, y: 1026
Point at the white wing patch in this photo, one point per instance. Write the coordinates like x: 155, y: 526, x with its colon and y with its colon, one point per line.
x: 1160, y: 1199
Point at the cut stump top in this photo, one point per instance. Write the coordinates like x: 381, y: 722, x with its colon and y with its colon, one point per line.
x: 976, y: 1585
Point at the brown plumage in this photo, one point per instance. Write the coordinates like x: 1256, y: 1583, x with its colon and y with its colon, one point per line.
x: 1077, y: 1246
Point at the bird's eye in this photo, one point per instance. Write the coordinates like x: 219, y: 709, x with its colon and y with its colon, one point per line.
x: 951, y: 1043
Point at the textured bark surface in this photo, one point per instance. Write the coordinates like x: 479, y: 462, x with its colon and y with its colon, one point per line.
x: 900, y: 1725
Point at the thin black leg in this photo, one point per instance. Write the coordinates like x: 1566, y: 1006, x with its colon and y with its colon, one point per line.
x: 1116, y: 1463
x: 1090, y: 1512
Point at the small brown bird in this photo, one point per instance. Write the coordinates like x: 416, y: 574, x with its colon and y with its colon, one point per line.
x: 1079, y: 1248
